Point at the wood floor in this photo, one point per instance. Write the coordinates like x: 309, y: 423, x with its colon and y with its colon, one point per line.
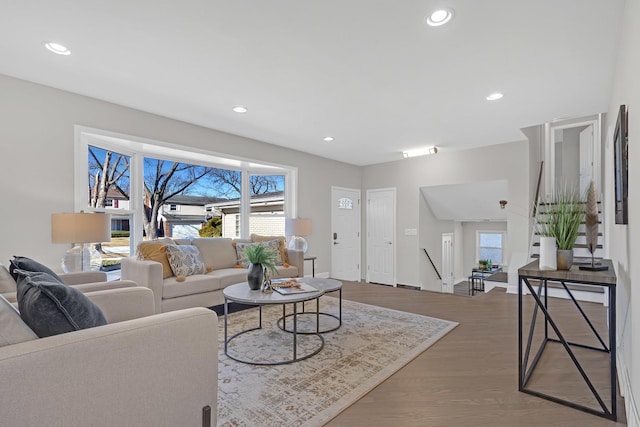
x: 470, y: 377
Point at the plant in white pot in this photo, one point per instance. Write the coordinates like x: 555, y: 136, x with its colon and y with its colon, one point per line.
x: 261, y: 258
x: 564, y: 219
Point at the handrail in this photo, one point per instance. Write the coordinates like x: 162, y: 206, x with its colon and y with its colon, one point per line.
x: 536, y: 198
x: 432, y: 264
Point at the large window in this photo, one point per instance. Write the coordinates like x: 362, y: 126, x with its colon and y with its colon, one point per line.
x: 154, y: 189
x: 491, y: 246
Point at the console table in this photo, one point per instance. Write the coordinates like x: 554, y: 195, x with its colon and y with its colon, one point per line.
x: 526, y: 368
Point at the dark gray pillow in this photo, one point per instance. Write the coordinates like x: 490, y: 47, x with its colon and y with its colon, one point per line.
x: 49, y: 307
x: 27, y: 264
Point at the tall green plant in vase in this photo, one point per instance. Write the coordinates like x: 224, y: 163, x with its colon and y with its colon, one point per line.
x: 261, y: 260
x: 564, y: 219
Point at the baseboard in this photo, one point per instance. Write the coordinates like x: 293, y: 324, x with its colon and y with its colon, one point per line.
x: 631, y: 408
x: 488, y: 285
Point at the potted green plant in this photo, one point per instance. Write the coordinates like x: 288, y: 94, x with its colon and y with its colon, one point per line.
x: 563, y: 222
x: 261, y: 258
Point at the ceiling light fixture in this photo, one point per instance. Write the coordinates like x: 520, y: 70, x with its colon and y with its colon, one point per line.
x: 494, y: 96
x: 57, y: 48
x: 328, y: 139
x: 420, y: 152
x: 240, y: 109
x: 440, y: 17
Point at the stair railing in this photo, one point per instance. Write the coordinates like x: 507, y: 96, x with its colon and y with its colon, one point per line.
x: 432, y: 264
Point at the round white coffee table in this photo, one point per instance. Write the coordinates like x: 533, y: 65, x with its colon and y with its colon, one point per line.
x: 241, y: 293
x: 326, y: 285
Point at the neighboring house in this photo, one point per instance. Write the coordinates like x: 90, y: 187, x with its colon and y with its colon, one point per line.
x: 182, y: 216
x: 266, y: 217
x: 117, y: 200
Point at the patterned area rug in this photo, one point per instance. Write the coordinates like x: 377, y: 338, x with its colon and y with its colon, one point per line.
x: 371, y: 345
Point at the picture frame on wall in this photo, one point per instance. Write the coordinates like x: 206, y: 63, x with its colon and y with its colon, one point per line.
x: 621, y: 163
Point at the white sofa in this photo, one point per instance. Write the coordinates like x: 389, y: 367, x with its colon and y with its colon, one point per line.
x: 87, y: 281
x: 200, y: 290
x: 142, y: 369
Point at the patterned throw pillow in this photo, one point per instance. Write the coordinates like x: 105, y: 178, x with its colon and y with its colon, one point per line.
x: 185, y: 260
x: 282, y: 247
x: 242, y: 257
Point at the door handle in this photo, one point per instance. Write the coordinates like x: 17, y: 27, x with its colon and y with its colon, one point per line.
x: 336, y: 243
x: 388, y: 243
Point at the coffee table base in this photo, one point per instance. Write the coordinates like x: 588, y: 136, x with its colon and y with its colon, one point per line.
x: 295, y: 358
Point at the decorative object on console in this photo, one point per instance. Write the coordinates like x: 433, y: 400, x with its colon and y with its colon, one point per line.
x: 591, y: 228
x: 80, y: 228
x: 261, y: 258
x: 296, y: 228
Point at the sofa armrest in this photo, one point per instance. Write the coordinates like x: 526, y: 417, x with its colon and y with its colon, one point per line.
x: 296, y: 259
x: 144, y: 273
x: 99, y: 286
x: 83, y: 277
x: 122, y: 304
x: 153, y: 371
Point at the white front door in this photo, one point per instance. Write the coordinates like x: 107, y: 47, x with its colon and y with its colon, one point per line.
x: 345, y: 234
x: 447, y: 262
x: 381, y: 236
x: 586, y: 158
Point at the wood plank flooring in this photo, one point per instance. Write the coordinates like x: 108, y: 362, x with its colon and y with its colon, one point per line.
x: 470, y: 377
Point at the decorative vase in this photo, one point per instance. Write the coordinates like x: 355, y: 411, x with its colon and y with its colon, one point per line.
x: 548, y: 257
x: 565, y: 259
x: 255, y: 276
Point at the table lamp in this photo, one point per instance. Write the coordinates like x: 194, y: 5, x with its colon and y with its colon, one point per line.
x: 296, y: 228
x: 80, y: 228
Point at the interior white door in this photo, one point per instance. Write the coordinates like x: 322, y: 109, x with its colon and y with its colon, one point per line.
x: 345, y: 234
x: 586, y: 158
x: 447, y: 262
x: 381, y: 236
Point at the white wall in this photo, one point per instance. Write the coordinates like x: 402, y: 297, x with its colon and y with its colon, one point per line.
x: 36, y: 166
x: 430, y: 231
x: 505, y: 161
x: 625, y: 239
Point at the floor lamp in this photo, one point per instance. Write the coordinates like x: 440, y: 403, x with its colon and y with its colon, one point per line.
x: 296, y: 228
x: 80, y: 228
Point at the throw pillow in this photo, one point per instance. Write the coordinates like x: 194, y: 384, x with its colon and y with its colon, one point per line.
x: 242, y: 257
x: 152, y: 250
x: 185, y: 260
x: 7, y: 283
x: 49, y: 307
x: 12, y: 328
x: 282, y: 248
x: 27, y: 264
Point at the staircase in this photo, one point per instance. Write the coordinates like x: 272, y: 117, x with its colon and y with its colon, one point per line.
x: 581, y: 255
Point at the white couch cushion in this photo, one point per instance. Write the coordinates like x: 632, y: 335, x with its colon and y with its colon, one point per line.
x: 7, y: 284
x: 195, y: 284
x: 12, y: 328
x: 217, y: 252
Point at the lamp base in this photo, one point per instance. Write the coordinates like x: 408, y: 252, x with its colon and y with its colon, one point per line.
x: 298, y: 243
x: 81, y: 258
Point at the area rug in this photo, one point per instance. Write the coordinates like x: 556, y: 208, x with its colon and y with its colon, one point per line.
x: 371, y: 345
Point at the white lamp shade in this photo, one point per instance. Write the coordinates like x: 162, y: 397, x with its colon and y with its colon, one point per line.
x: 297, y: 227
x: 80, y: 227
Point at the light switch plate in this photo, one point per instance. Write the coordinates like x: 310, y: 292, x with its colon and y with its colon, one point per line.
x: 410, y: 232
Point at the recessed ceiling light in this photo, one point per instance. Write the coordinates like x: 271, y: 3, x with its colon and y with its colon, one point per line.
x: 328, y: 139
x: 240, y: 109
x: 494, y: 96
x: 440, y: 17
x: 57, y: 48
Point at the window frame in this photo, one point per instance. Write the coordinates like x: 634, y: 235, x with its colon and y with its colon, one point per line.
x: 503, y: 248
x: 138, y: 148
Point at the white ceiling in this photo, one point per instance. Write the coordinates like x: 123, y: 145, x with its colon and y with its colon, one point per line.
x: 369, y: 73
x: 474, y: 201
